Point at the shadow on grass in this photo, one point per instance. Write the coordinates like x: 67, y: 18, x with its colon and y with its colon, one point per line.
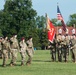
x: 41, y: 61
x: 9, y: 65
x: 51, y: 61
x: 1, y: 65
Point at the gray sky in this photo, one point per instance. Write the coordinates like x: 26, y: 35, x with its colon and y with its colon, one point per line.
x: 67, y: 7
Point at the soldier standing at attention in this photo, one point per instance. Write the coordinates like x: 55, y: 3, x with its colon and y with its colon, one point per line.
x: 52, y: 47
x: 59, y: 48
x: 73, y: 48
x: 23, y: 48
x: 30, y: 50
x: 0, y: 48
x: 14, y: 49
x: 65, y: 47
x: 5, y: 49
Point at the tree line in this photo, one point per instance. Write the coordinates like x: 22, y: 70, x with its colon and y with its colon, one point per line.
x: 19, y: 17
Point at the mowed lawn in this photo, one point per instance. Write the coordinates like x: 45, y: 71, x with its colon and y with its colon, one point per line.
x: 41, y: 65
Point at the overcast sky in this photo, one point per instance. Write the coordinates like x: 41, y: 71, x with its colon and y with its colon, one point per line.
x: 67, y: 7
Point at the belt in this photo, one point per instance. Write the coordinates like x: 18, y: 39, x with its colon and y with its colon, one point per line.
x: 13, y: 49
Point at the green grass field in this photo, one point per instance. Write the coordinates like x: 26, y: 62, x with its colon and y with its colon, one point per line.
x: 41, y: 65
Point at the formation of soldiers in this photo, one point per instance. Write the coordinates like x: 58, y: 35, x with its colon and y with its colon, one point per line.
x: 9, y: 48
x: 62, y: 47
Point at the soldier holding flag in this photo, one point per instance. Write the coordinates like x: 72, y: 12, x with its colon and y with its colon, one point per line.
x: 52, y: 47
x: 51, y: 38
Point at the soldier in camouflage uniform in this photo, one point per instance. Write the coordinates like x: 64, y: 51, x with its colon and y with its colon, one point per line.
x: 53, y: 50
x: 5, y: 50
x: 52, y: 47
x: 73, y: 48
x: 0, y: 47
x: 59, y: 48
x: 23, y: 48
x: 65, y: 48
x: 30, y: 50
x: 14, y: 49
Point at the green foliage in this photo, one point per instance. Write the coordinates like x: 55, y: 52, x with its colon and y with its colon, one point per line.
x: 1, y: 35
x: 43, y: 39
x: 56, y: 22
x: 72, y: 20
x: 42, y: 33
x: 40, y: 22
x: 19, y: 17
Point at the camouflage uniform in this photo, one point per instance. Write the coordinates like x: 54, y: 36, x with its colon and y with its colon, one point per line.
x: 5, y: 50
x: 0, y: 48
x: 65, y: 49
x: 30, y: 51
x: 73, y: 49
x: 59, y: 50
x: 23, y: 48
x: 14, y: 50
x: 53, y: 50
